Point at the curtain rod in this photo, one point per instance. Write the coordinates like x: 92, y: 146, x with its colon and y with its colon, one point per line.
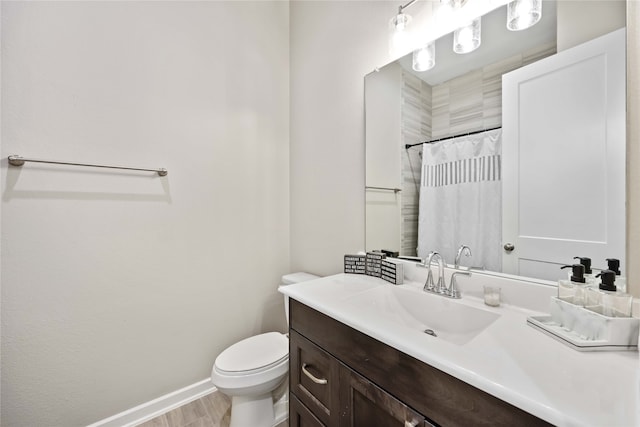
x: 407, y: 146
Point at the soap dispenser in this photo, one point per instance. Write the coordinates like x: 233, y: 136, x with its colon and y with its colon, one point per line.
x: 572, y: 290
x: 606, y: 300
x: 613, y: 264
x: 588, y: 273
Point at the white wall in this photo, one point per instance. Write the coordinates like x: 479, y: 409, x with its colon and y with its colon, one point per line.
x: 333, y: 45
x: 383, y: 132
x: 580, y: 21
x: 120, y: 287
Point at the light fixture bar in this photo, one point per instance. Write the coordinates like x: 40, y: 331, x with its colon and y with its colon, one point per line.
x: 401, y: 8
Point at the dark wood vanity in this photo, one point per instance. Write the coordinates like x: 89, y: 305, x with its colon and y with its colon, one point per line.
x: 352, y: 379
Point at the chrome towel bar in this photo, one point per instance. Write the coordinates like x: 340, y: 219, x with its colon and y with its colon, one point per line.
x: 16, y: 160
x: 395, y: 190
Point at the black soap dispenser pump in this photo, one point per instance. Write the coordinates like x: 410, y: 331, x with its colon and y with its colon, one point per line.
x: 606, y: 299
x: 572, y: 290
x: 613, y: 264
x: 588, y: 272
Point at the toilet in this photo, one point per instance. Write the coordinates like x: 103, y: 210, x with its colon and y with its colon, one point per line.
x: 253, y: 371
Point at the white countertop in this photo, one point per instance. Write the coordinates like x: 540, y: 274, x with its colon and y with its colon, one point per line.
x: 508, y: 359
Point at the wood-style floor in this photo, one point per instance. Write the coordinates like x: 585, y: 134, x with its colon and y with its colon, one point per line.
x: 212, y: 410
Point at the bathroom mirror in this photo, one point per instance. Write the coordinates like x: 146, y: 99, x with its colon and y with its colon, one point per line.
x: 463, y: 94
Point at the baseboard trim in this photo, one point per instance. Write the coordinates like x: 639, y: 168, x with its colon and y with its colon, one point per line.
x: 149, y: 410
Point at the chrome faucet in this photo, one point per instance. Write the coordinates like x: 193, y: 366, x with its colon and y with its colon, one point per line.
x: 464, y: 249
x: 428, y: 285
x: 441, y: 287
x: 453, y: 284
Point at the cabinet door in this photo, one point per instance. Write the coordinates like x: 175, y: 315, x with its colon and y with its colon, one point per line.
x: 300, y: 416
x: 314, y: 378
x: 362, y: 403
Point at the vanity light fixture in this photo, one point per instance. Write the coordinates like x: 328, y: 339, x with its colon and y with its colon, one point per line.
x: 400, y: 40
x: 467, y: 39
x: 522, y: 14
x: 424, y: 58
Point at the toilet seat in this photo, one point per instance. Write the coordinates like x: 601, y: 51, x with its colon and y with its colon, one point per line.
x: 253, y: 371
x: 253, y: 355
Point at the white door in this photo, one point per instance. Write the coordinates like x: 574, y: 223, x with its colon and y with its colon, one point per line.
x: 564, y: 159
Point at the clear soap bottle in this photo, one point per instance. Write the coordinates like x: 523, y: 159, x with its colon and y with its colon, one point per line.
x: 606, y: 300
x: 613, y: 264
x: 572, y: 290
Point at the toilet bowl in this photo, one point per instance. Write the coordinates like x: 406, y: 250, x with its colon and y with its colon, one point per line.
x: 251, y: 370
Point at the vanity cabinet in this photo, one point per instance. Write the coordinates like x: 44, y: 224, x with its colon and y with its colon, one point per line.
x: 340, y: 377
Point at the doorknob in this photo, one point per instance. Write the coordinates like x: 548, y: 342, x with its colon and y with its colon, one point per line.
x: 509, y: 247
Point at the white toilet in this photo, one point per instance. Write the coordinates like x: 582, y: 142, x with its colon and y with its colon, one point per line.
x: 250, y: 371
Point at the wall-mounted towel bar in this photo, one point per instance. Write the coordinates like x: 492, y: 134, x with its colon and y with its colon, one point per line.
x: 395, y: 190
x: 19, y: 161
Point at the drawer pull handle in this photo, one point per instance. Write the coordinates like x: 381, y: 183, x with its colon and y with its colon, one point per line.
x: 311, y: 377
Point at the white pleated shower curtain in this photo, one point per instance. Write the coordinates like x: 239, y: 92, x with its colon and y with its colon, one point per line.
x: 461, y: 199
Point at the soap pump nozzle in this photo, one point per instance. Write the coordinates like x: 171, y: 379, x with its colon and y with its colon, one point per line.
x: 613, y: 264
x: 577, y: 272
x: 607, y: 278
x: 586, y: 262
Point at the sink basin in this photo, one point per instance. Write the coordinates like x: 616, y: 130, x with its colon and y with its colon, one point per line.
x: 435, y: 316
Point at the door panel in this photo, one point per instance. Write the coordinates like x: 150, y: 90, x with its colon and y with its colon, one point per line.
x: 564, y: 159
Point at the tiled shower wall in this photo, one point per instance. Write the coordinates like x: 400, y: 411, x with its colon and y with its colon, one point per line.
x: 463, y: 104
x: 415, y: 124
x: 473, y: 101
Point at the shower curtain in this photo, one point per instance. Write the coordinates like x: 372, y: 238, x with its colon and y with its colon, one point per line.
x: 461, y: 199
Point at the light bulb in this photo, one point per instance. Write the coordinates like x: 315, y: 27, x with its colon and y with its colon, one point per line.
x: 467, y: 39
x: 522, y: 14
x: 424, y: 58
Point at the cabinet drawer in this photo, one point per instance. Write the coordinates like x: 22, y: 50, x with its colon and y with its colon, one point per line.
x: 300, y: 416
x: 314, y: 377
x: 365, y: 404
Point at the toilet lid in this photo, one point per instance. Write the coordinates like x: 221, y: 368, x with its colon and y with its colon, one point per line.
x: 254, y: 353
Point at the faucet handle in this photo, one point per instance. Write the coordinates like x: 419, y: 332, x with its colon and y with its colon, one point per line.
x: 453, y: 291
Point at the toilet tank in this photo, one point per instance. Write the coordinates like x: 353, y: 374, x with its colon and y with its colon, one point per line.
x: 290, y: 279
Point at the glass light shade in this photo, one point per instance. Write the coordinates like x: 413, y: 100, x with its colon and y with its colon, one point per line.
x: 399, y: 39
x: 400, y: 21
x: 424, y: 58
x: 522, y: 14
x: 467, y: 39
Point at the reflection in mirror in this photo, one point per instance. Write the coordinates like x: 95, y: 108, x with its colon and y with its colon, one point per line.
x: 556, y: 216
